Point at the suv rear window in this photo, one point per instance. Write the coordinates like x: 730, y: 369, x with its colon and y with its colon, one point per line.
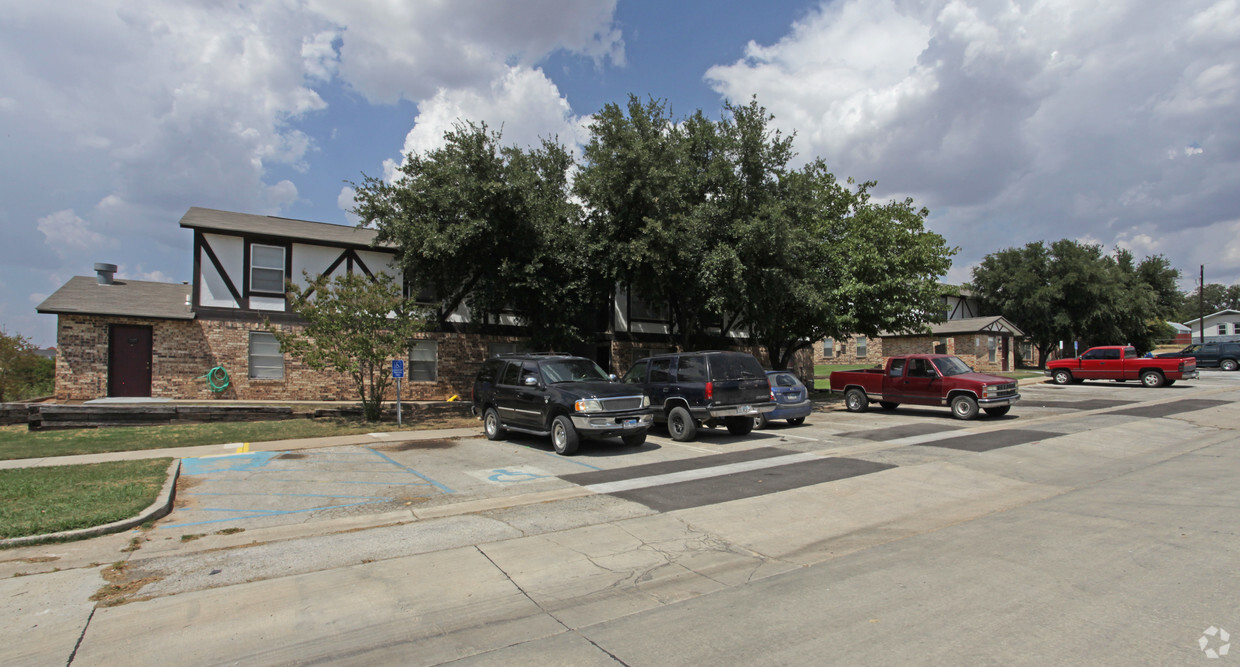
x: 691, y: 369
x: 734, y: 367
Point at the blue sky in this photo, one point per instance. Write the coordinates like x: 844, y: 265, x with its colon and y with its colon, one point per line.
x: 1106, y: 121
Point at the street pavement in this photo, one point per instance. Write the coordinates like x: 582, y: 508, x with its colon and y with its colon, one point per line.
x: 1094, y: 524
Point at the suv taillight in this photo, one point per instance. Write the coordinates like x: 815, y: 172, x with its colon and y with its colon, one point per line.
x: 710, y: 390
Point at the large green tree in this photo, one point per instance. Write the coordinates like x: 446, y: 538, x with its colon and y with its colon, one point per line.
x: 355, y: 324
x: 652, y: 189
x: 489, y: 227
x: 1071, y: 291
x: 708, y: 219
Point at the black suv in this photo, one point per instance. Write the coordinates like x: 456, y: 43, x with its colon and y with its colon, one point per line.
x: 691, y: 389
x: 1211, y: 355
x: 559, y: 395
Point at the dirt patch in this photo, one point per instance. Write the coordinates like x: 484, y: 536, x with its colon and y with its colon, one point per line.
x: 184, y: 484
x: 417, y: 444
x: 121, y: 592
x: 291, y: 455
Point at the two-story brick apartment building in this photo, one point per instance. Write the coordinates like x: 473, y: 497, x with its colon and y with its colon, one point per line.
x: 138, y: 338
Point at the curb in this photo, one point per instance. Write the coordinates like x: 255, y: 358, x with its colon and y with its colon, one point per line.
x: 158, y: 509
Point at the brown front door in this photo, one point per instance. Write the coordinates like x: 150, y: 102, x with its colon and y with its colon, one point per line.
x: 129, y: 361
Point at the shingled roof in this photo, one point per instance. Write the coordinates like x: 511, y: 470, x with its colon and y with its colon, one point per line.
x: 211, y: 220
x: 83, y: 295
x: 979, y: 325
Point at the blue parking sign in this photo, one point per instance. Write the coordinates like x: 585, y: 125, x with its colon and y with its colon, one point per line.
x: 398, y: 368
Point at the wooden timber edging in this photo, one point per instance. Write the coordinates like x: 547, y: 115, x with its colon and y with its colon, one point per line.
x: 50, y: 417
x: 46, y: 417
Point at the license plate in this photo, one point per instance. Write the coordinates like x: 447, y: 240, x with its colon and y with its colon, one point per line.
x: 746, y: 408
x: 630, y: 422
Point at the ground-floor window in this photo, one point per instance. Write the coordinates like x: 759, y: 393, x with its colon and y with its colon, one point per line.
x: 826, y: 348
x: 506, y: 348
x: 266, y: 361
x: 861, y: 346
x: 992, y: 344
x: 424, y: 361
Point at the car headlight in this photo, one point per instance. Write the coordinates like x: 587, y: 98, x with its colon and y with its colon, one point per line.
x: 588, y: 405
x: 990, y: 390
x: 645, y: 401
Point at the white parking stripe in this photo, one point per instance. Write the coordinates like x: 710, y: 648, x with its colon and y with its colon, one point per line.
x: 701, y: 473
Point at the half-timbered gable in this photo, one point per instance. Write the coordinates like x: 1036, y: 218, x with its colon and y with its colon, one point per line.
x: 242, y: 261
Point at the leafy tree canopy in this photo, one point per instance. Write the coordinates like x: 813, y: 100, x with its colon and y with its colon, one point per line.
x: 491, y: 228
x: 1191, y: 305
x: 709, y: 219
x: 354, y: 324
x: 1072, y: 291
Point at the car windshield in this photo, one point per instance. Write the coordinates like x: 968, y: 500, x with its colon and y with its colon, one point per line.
x: 949, y: 366
x: 572, y: 370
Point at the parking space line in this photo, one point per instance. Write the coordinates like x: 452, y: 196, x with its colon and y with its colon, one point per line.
x: 700, y: 473
x: 571, y: 460
x: 437, y: 485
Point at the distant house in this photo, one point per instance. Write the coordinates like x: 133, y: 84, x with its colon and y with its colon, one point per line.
x: 986, y: 343
x: 1183, y: 334
x: 140, y: 338
x: 1221, y: 326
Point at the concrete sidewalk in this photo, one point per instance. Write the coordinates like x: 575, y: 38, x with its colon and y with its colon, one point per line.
x: 242, y: 447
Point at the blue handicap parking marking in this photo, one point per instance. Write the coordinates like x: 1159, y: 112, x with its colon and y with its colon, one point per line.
x: 230, y: 463
x: 503, y: 476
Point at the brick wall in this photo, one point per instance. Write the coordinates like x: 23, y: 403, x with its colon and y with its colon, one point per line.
x: 183, y: 352
x: 844, y: 351
x: 971, y: 348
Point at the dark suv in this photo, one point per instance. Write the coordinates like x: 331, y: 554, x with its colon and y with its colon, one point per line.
x: 559, y: 395
x: 692, y: 389
x: 1211, y: 355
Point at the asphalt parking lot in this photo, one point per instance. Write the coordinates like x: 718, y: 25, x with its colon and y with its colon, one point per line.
x: 254, y: 490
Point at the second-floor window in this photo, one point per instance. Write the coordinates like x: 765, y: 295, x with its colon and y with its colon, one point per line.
x: 267, y: 269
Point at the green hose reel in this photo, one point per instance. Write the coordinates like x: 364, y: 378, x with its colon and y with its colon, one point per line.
x: 217, y: 379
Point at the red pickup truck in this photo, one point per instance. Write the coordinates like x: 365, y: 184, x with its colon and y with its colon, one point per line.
x: 926, y: 379
x: 1121, y: 363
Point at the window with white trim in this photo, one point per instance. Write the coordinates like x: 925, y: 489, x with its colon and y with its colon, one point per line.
x: 267, y: 269
x: 424, y: 361
x: 861, y: 346
x: 266, y: 360
x: 826, y: 348
x: 506, y: 348
x: 992, y: 344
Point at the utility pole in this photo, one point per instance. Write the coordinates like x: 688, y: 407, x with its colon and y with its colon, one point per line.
x: 1201, y: 306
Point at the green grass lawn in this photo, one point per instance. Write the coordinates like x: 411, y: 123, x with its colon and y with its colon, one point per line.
x: 16, y: 442
x: 38, y: 501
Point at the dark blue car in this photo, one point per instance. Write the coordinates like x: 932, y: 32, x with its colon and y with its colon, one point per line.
x: 791, y: 399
